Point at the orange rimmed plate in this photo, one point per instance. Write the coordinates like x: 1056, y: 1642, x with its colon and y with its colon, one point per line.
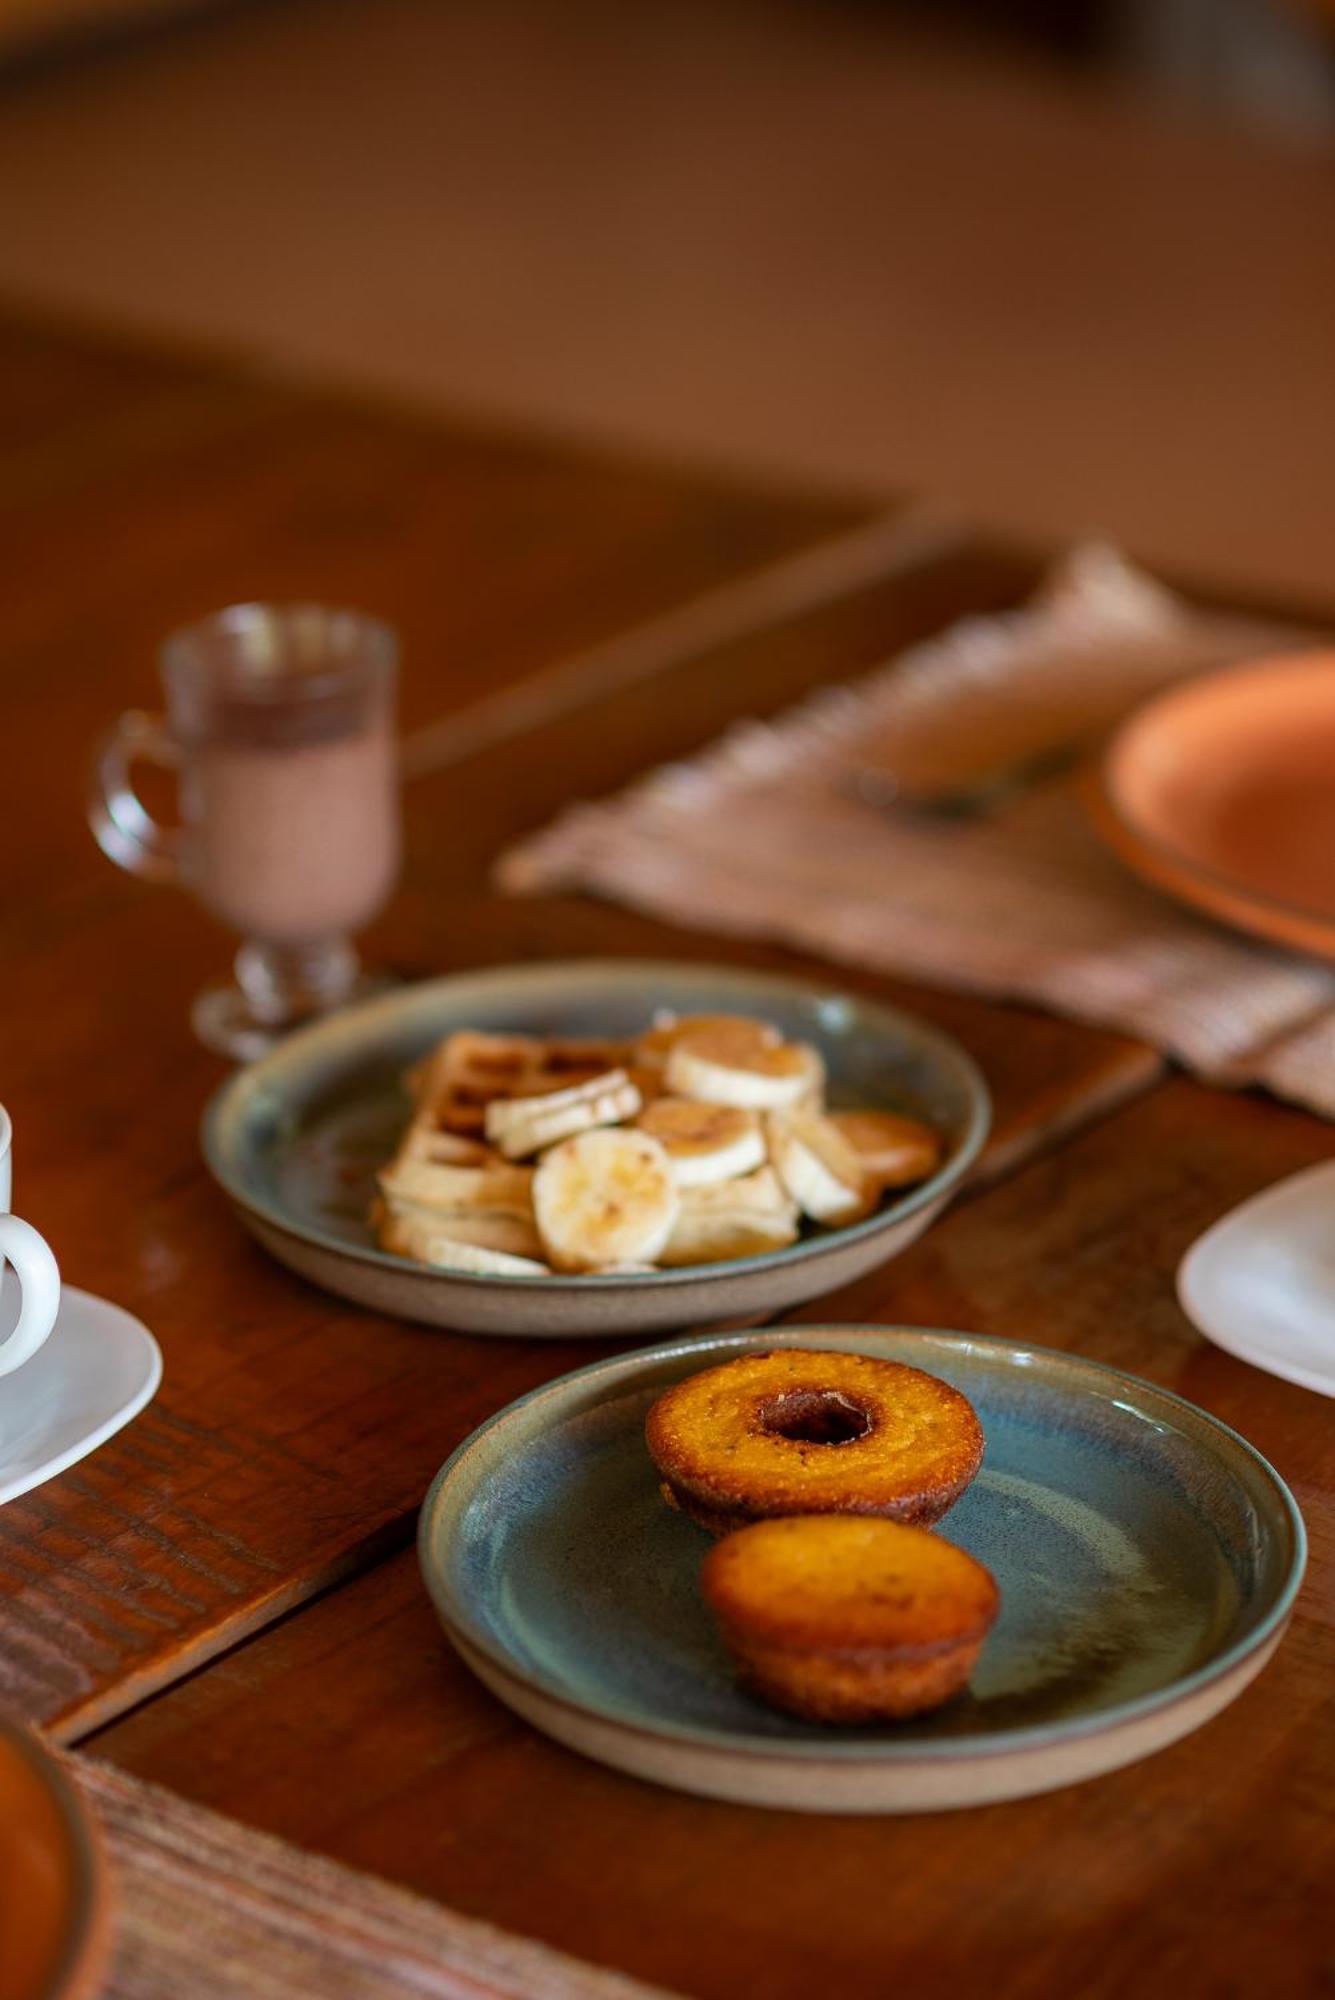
x: 54, y: 1918
x: 1221, y: 792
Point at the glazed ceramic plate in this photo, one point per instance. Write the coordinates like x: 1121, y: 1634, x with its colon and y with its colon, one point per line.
x: 94, y: 1372
x: 1148, y: 1560
x: 1222, y: 793
x: 53, y: 1916
x: 1261, y: 1282
x: 296, y: 1138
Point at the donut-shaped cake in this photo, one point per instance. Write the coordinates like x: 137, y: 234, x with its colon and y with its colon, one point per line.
x: 846, y: 1620
x: 802, y: 1431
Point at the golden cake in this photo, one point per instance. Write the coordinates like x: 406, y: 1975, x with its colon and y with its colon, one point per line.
x: 841, y: 1619
x: 806, y: 1431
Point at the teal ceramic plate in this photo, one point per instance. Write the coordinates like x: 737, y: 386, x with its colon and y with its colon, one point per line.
x: 295, y: 1139
x: 1148, y: 1560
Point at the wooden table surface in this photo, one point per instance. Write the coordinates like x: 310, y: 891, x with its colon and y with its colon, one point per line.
x: 294, y: 1436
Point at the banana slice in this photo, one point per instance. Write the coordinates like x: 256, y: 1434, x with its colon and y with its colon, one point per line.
x: 704, y: 1142
x: 737, y: 1063
x: 813, y: 1097
x: 410, y: 1230
x: 741, y: 1218
x: 647, y: 1079
x: 818, y: 1167
x: 894, y: 1150
x: 604, y: 1197
x: 524, y: 1125
x: 447, y: 1255
x: 429, y: 1184
x: 445, y: 1149
x: 656, y: 1044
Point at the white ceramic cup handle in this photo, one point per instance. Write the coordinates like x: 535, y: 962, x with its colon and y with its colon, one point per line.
x: 39, y: 1281
x: 124, y: 831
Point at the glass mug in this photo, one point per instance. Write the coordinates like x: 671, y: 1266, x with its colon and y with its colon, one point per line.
x: 33, y: 1265
x: 280, y: 729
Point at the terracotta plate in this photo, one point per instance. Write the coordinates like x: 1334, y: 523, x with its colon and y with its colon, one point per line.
x: 1148, y: 1560
x: 296, y: 1138
x: 1222, y: 793
x: 53, y: 1914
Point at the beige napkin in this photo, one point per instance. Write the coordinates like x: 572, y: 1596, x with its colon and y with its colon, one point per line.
x: 763, y: 834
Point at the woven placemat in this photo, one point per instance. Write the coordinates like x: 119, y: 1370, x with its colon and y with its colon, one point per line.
x: 207, y: 1909
x: 769, y: 833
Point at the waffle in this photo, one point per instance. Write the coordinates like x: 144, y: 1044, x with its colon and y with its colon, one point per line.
x: 455, y: 1084
x: 700, y: 1141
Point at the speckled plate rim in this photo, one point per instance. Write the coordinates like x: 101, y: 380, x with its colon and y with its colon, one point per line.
x: 620, y: 1372
x: 346, y: 1028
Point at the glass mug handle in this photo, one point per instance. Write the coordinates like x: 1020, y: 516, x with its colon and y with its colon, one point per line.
x: 126, y: 833
x: 39, y: 1284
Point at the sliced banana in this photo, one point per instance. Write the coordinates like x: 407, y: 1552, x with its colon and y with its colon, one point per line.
x: 656, y: 1044
x: 813, y: 1097
x: 741, y: 1218
x: 704, y: 1142
x: 430, y: 1236
x: 447, y: 1255
x: 429, y: 1184
x: 894, y: 1150
x: 819, y: 1168
x: 743, y: 1063
x: 424, y: 1141
x: 524, y: 1125
x: 604, y: 1197
x: 648, y: 1080
x: 730, y: 1146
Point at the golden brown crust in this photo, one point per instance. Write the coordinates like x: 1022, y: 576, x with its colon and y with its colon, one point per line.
x: 849, y: 1691
x: 846, y: 1620
x: 802, y: 1431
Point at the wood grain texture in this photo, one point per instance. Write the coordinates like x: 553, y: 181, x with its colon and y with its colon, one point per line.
x: 206, y: 1907
x: 294, y: 1436
x: 1203, y: 1871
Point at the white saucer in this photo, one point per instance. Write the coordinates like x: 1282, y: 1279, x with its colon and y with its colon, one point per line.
x: 1261, y: 1282
x: 97, y: 1370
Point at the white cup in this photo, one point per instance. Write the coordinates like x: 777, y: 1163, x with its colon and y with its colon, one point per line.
x: 38, y: 1277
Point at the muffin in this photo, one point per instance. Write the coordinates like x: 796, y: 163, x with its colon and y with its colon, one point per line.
x: 840, y: 1619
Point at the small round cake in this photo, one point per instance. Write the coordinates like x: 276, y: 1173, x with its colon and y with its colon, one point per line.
x: 845, y: 1620
x: 804, y: 1431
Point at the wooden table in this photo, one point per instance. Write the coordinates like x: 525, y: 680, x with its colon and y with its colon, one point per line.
x: 223, y: 1600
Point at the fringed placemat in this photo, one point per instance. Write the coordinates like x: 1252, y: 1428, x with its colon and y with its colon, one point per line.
x: 870, y: 826
x: 207, y: 1909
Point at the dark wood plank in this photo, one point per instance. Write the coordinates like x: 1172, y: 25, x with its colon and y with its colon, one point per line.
x: 60, y: 387
x: 491, y: 558
x: 1205, y: 1870
x: 294, y: 1436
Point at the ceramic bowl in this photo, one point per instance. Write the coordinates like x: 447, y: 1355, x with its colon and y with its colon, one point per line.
x: 1221, y: 792
x: 1148, y: 1560
x: 53, y: 1904
x: 295, y: 1139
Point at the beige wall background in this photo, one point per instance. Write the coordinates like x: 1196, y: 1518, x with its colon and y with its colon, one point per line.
x: 804, y: 241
